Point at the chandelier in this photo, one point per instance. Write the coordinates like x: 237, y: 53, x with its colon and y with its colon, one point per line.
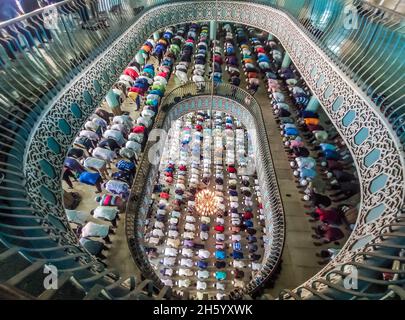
x: 206, y: 203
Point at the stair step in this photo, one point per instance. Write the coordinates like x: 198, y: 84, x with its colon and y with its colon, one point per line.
x: 8, y: 253
x: 50, y: 293
x: 12, y: 293
x: 11, y: 263
x: 25, y: 273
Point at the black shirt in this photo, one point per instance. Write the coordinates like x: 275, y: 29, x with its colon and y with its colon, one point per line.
x: 76, y: 153
x: 321, y: 199
x: 29, y: 5
x: 110, y: 143
x: 235, y: 81
x: 220, y: 264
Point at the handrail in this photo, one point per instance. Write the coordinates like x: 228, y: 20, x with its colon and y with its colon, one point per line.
x: 33, y: 13
x: 151, y: 3
x: 191, y: 90
x: 367, y: 273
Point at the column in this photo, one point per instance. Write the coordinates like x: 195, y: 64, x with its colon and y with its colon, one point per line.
x: 286, y: 61
x: 313, y: 104
x: 213, y: 30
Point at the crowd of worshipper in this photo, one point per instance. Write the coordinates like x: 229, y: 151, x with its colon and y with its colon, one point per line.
x: 231, y: 60
x: 200, y: 59
x: 248, y: 61
x: 196, y: 41
x: 253, y: 57
x: 316, y: 151
x: 187, y: 49
x: 319, y: 159
x: 216, y: 62
x: 205, y: 229
x: 232, y: 64
x: 106, y: 151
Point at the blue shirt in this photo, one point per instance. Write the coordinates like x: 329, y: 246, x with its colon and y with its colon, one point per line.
x: 237, y: 255
x: 138, y: 100
x: 202, y: 264
x: 220, y: 275
x: 248, y: 223
x: 327, y: 146
x: 233, y: 193
x: 308, y: 173
x: 8, y: 10
x: 291, y: 132
x: 90, y: 178
x: 331, y: 155
x: 220, y: 255
x: 237, y: 246
x: 125, y: 165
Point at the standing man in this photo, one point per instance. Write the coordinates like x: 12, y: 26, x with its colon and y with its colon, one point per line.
x: 37, y: 27
x: 8, y: 10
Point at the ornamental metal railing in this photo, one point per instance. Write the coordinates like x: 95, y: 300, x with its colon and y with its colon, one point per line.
x: 140, y: 190
x: 378, y: 274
